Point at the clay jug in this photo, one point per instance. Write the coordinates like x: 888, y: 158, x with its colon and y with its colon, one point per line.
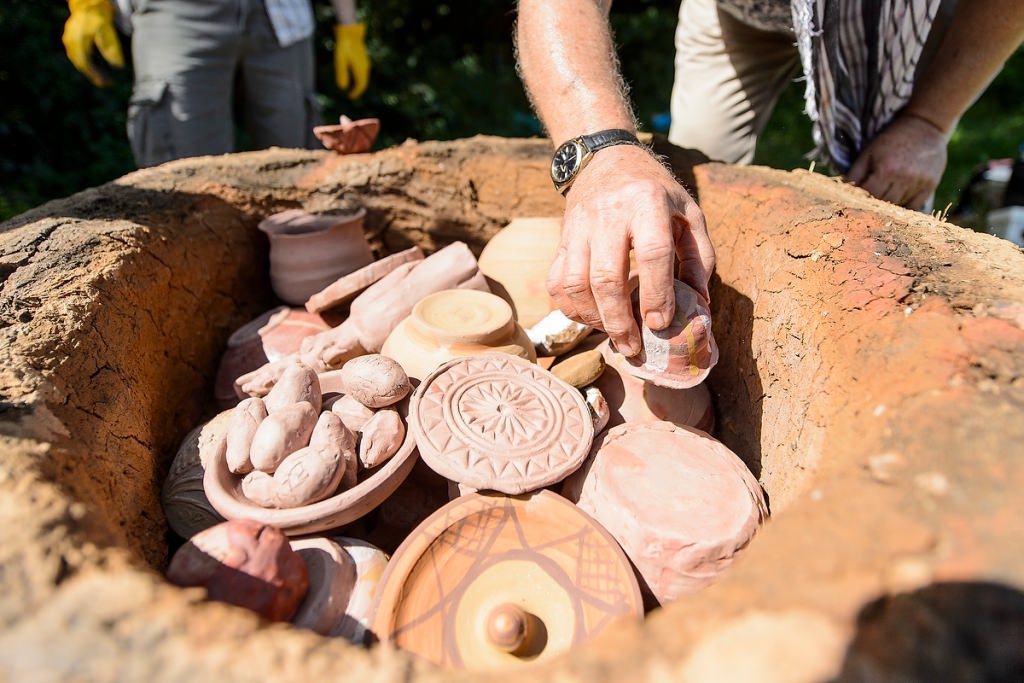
x: 453, y: 323
x: 516, y: 262
x: 309, y: 252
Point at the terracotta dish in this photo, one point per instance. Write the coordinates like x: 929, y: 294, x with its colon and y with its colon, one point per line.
x: 491, y: 582
x: 681, y: 504
x: 346, y: 288
x: 348, y: 136
x: 224, y: 491
x: 516, y: 263
x: 454, y: 323
x: 497, y: 422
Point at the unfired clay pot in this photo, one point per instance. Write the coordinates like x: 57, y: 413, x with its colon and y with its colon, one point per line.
x: 224, y: 491
x: 633, y: 400
x: 681, y: 355
x: 309, y: 252
x: 454, y: 323
x: 244, y: 563
x: 346, y: 288
x: 270, y: 337
x: 516, y: 261
x: 348, y: 136
x: 498, y: 422
x: 492, y: 582
x: 680, y: 503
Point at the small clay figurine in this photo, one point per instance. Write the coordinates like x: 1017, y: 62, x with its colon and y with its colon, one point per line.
x: 281, y: 434
x: 245, y: 420
x: 375, y: 381
x: 244, y: 563
x: 298, y: 383
x: 382, y: 436
x: 352, y: 413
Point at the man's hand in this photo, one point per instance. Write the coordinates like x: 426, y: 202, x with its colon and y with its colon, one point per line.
x: 904, y: 164
x: 91, y: 26
x: 624, y: 199
x: 351, y: 63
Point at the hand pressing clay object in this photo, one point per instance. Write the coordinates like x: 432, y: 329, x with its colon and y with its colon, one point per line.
x: 245, y: 420
x: 184, y: 500
x: 281, y: 434
x: 243, y: 563
x: 680, y: 504
x: 353, y: 414
x: 381, y: 438
x: 681, y: 355
x: 556, y: 334
x: 375, y: 381
x: 345, y: 289
x: 298, y: 383
x: 580, y: 370
x: 332, y: 576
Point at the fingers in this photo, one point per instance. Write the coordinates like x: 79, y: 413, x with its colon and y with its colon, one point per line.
x: 860, y: 169
x: 109, y: 46
x: 694, y: 250
x: 360, y: 75
x: 609, y: 275
x: 655, y: 248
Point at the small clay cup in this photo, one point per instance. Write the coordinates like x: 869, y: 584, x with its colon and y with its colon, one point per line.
x: 454, y: 323
x: 681, y: 355
x: 309, y: 252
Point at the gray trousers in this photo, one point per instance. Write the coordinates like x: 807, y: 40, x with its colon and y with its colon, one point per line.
x: 187, y: 56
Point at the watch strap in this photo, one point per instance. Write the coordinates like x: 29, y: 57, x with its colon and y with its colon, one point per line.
x: 607, y: 138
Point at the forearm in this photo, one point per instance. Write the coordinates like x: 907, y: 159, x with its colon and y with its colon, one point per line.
x: 569, y: 67
x: 981, y: 37
x: 344, y: 11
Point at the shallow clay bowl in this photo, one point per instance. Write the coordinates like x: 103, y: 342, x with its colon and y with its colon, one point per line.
x: 224, y: 490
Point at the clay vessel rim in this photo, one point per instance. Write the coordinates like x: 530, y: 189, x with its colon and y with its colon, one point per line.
x: 491, y: 329
x: 288, y: 230
x: 223, y: 489
x: 251, y: 330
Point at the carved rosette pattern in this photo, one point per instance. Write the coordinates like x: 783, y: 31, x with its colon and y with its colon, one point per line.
x: 497, y: 422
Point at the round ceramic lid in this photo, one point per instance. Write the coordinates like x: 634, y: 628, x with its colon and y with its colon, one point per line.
x: 498, y: 422
x: 490, y: 581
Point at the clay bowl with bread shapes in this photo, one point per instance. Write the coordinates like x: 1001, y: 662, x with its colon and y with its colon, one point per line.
x: 224, y: 490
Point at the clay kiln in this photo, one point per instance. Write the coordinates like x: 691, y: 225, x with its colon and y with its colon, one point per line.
x: 871, y: 376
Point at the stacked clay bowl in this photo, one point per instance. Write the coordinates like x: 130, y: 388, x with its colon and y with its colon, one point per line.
x: 492, y: 582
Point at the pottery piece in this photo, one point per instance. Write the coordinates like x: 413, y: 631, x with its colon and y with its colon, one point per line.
x: 369, y: 562
x: 309, y: 252
x: 308, y: 475
x: 346, y: 288
x: 456, y: 323
x: 347, y: 505
x: 243, y: 563
x: 245, y: 420
x: 298, y: 383
x: 330, y: 383
x: 555, y: 334
x: 581, y: 369
x: 382, y: 436
x: 375, y: 381
x: 681, y: 355
x: 633, y: 400
x: 260, y: 488
x: 332, y: 576
x: 183, y: 499
x: 517, y: 260
x: 498, y: 422
x: 353, y: 414
x: 348, y: 136
x: 281, y: 434
x: 490, y: 582
x: 600, y: 413
x: 708, y: 504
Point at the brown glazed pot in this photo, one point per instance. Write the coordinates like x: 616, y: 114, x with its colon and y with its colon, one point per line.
x: 454, y: 323
x: 309, y: 252
x: 516, y: 262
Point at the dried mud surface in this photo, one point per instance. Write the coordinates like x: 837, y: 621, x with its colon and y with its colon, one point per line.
x: 872, y: 377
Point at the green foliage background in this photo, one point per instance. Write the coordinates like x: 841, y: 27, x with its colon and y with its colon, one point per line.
x: 441, y: 70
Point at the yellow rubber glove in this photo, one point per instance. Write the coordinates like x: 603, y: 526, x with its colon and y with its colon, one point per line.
x: 92, y: 24
x: 350, y: 56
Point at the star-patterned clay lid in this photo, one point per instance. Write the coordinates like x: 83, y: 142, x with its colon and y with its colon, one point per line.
x: 491, y: 581
x: 496, y: 422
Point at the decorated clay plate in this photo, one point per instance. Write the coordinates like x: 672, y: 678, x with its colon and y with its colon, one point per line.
x: 224, y: 490
x: 497, y: 422
x: 491, y: 581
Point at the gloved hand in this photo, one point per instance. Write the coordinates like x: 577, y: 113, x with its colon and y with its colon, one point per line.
x: 350, y: 56
x: 92, y: 24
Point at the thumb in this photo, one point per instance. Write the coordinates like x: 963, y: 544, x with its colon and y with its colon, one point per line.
x: 861, y: 168
x: 109, y: 46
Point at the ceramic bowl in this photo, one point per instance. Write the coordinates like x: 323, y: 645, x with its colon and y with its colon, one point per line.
x: 348, y: 136
x: 224, y: 491
x: 516, y: 263
x: 455, y: 323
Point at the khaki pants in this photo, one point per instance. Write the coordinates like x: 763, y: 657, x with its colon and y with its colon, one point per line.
x: 188, y: 56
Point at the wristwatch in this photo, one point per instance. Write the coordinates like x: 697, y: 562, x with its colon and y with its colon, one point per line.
x: 571, y: 156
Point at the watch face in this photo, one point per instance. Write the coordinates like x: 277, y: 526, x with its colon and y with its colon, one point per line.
x: 566, y: 161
